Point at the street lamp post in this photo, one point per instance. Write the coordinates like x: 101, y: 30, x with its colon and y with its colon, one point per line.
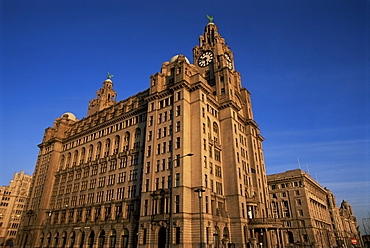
x: 171, y: 198
x: 200, y: 191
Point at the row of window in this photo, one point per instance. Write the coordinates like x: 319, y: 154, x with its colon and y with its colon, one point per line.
x: 283, y: 194
x: 98, y: 197
x: 164, y: 116
x: 100, y: 150
x: 286, y: 185
x: 101, y: 182
x: 97, y: 168
x: 119, y: 126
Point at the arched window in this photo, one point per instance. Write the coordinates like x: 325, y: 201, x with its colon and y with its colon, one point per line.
x: 125, y: 235
x: 137, y: 133
x: 215, y: 133
x: 101, y: 239
x: 98, y: 150
x: 75, y: 157
x: 64, y: 239
x: 68, y: 162
x: 72, y: 239
x: 116, y: 144
x: 56, y: 239
x: 290, y: 237
x: 216, y: 239
x: 82, y: 157
x: 82, y: 239
x: 61, y: 163
x: 41, y: 240
x: 90, y: 241
x: 107, y: 148
x: 215, y: 128
x: 226, y: 238
x: 126, y: 141
x: 112, y: 238
x: 90, y: 153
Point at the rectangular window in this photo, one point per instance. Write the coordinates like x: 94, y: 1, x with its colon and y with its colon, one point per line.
x: 218, y: 171
x: 149, y: 152
x: 164, y: 148
x: 120, y: 193
x: 178, y: 126
x: 177, y: 204
x: 156, y: 183
x: 177, y: 180
x: 219, y: 188
x: 148, y: 167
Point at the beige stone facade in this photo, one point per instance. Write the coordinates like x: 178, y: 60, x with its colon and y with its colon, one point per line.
x: 126, y: 175
x: 344, y: 223
x: 309, y: 213
x: 12, y: 205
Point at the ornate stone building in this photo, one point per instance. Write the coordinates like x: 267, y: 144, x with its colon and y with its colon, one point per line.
x: 344, y: 223
x: 309, y: 212
x: 12, y: 205
x: 177, y: 165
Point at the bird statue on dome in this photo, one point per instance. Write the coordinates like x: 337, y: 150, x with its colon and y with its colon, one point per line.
x: 210, y: 18
x: 110, y: 75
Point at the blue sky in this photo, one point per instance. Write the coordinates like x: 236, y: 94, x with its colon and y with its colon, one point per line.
x: 306, y: 63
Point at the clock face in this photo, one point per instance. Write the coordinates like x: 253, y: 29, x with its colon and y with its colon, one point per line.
x: 205, y: 59
x: 228, y: 61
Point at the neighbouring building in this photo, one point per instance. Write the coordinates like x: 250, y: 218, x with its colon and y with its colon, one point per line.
x: 309, y: 212
x: 12, y: 204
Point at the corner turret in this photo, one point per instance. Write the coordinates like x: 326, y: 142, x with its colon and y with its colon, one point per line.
x: 105, y: 97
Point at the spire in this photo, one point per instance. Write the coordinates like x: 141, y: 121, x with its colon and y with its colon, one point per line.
x: 105, y: 97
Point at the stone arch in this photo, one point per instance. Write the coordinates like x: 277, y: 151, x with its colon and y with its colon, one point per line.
x: 61, y: 162
x: 116, y: 144
x: 216, y: 237
x: 216, y: 132
x: 63, y: 239
x: 90, y: 153
x: 107, y: 146
x: 82, y: 156
x: 98, y: 150
x: 75, y: 157
x: 124, y: 238
x: 9, y: 242
x: 72, y: 239
x: 41, y: 239
x: 68, y: 160
x: 55, y: 240
x: 112, y: 238
x: 137, y: 133
x: 126, y: 141
x: 81, y: 239
x: 225, y: 236
x: 101, y: 239
x: 90, y: 239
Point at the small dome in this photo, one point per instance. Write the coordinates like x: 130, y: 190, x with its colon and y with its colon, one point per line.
x: 174, y: 58
x: 70, y: 116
